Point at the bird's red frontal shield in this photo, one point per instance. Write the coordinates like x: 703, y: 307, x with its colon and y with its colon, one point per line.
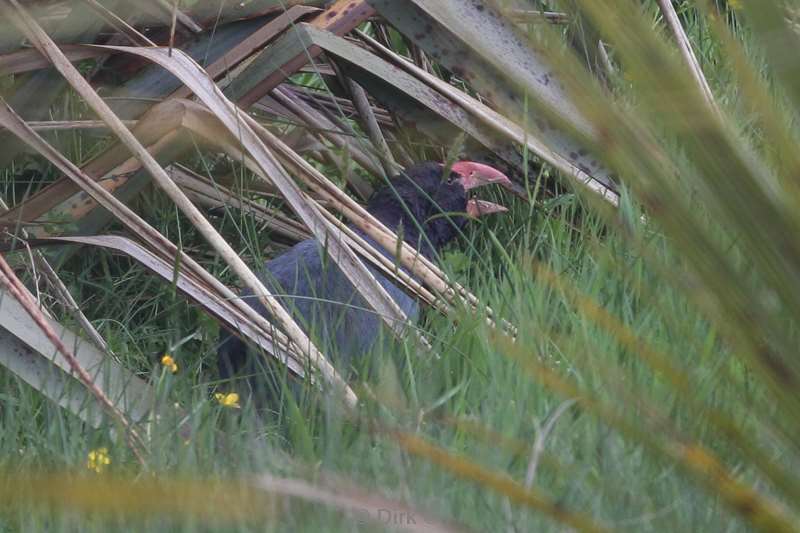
x: 475, y: 175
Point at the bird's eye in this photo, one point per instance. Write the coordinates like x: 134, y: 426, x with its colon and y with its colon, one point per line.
x: 450, y: 179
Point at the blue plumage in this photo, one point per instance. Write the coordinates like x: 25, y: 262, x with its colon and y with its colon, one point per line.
x: 316, y: 292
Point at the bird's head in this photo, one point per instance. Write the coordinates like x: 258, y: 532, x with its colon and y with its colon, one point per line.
x: 428, y: 196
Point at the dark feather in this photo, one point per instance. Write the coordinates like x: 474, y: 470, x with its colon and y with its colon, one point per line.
x: 316, y: 292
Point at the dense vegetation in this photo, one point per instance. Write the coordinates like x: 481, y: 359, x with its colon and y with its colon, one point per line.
x: 651, y: 378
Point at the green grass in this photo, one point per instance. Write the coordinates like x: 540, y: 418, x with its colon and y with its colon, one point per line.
x: 587, y: 466
x: 544, y: 267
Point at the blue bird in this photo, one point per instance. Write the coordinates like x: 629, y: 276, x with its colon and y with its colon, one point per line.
x: 319, y: 296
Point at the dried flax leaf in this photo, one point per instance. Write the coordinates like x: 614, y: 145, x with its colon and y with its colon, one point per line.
x: 330, y: 131
x: 166, y: 250
x: 206, y: 13
x: 479, y: 45
x: 40, y: 39
x: 168, y: 130
x: 72, y: 125
x: 201, y: 293
x: 13, y: 286
x: 251, y: 44
x: 204, y: 124
x: 420, y: 106
x: 30, y: 59
x: 29, y: 354
x: 503, y: 126
x: 685, y: 47
x: 36, y: 92
x: 176, y: 118
x: 215, y: 195
x: 160, y: 126
x: 287, y: 56
x: 336, y: 104
x: 192, y: 75
x: 151, y: 84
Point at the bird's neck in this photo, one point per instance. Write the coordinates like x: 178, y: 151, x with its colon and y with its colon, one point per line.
x: 408, y: 229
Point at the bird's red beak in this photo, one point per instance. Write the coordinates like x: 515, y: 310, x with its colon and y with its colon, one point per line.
x: 475, y: 175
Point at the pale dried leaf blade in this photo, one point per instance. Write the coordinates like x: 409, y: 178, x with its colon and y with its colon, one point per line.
x: 251, y: 43
x: 193, y: 76
x: 29, y: 354
x: 39, y: 38
x: 263, y: 332
x: 14, y: 287
x: 30, y: 59
x: 201, y: 293
x: 477, y: 43
x: 504, y: 126
x: 214, y: 195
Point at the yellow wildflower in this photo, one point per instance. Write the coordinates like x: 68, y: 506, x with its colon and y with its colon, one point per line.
x: 227, y: 400
x: 735, y: 4
x: 98, y: 460
x: 169, y: 363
